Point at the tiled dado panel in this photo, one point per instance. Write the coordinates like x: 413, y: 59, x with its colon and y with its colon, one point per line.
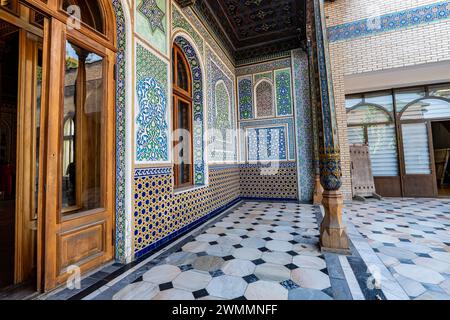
x: 161, y: 215
x: 277, y: 181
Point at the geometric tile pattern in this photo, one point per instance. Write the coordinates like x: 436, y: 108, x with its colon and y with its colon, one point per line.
x: 160, y: 214
x: 389, y: 22
x: 266, y: 144
x: 412, y: 239
x: 154, y: 15
x: 274, y: 181
x: 283, y: 92
x: 304, y: 125
x: 259, y: 251
x: 151, y: 23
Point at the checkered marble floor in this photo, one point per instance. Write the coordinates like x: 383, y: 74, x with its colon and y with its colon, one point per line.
x: 259, y: 251
x: 412, y: 239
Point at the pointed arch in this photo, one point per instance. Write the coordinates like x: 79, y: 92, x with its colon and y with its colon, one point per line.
x: 264, y: 99
x: 196, y: 65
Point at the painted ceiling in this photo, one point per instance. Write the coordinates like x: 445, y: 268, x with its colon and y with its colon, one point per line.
x: 255, y: 28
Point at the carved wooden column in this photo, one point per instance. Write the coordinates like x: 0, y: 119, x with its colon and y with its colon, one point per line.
x: 333, y: 235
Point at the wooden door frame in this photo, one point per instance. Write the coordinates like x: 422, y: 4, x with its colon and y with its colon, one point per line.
x: 179, y: 94
x: 58, y: 226
x: 25, y: 169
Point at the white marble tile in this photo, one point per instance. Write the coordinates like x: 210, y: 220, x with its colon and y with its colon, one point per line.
x: 254, y: 243
x: 266, y: 290
x: 227, y: 287
x: 309, y: 262
x: 174, y: 294
x: 277, y: 257
x: 311, y: 279
x: 247, y: 254
x: 419, y: 273
x: 239, y: 268
x: 433, y: 264
x: 161, y: 274
x: 411, y: 287
x: 137, y: 291
x: 192, y: 280
x: 277, y: 245
x: 272, y: 272
x: 219, y: 250
x: 196, y: 246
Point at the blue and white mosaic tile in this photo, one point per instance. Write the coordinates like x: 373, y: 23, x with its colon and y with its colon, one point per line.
x: 390, y: 22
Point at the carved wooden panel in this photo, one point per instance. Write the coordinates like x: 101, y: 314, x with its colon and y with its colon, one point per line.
x: 81, y: 245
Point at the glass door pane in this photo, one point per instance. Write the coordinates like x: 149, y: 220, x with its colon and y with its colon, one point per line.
x: 184, y: 143
x: 416, y: 149
x: 82, y: 125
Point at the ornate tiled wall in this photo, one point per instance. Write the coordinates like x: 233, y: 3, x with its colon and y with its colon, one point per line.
x: 122, y: 219
x: 268, y: 123
x: 266, y: 144
x: 274, y: 181
x: 152, y: 22
x: 304, y: 127
x: 152, y: 103
x: 160, y: 215
x: 222, y: 140
x: 198, y: 108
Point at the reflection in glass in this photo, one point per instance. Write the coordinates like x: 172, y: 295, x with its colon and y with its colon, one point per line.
x: 82, y: 162
x: 383, y: 99
x: 442, y: 91
x: 184, y: 156
x: 88, y: 11
x: 405, y: 96
x: 427, y: 109
x: 367, y: 114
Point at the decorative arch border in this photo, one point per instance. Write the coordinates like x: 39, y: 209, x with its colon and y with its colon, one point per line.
x: 257, y: 84
x: 123, y: 221
x: 196, y: 66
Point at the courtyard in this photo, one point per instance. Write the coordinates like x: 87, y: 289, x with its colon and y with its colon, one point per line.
x: 269, y: 251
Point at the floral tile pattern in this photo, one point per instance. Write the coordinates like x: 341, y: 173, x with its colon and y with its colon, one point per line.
x: 283, y: 92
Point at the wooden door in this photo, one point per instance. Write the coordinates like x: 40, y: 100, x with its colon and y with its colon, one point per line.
x: 417, y: 165
x: 79, y: 179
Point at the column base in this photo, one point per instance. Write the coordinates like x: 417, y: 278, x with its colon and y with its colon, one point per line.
x: 318, y: 191
x: 333, y: 234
